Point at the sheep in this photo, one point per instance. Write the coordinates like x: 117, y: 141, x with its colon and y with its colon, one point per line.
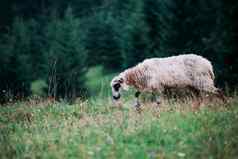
x: 155, y: 75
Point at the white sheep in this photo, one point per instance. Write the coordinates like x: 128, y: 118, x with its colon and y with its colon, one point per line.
x: 158, y: 74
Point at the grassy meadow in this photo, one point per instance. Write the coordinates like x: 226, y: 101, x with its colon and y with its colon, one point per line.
x: 94, y: 128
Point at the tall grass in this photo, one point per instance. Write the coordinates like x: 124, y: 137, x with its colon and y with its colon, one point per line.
x: 95, y: 129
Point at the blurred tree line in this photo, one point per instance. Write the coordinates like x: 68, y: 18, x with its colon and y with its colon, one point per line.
x: 50, y: 44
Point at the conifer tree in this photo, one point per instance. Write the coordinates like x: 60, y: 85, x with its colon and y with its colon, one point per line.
x: 17, y: 63
x: 135, y: 41
x: 67, y: 56
x: 102, y: 42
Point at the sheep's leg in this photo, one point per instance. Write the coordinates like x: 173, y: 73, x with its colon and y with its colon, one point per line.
x: 156, y: 98
x: 137, y: 102
x: 198, y: 98
x: 220, y: 94
x: 210, y: 89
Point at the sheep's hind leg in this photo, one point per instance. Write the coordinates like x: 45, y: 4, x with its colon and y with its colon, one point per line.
x: 137, y: 102
x: 198, y: 100
x: 220, y: 94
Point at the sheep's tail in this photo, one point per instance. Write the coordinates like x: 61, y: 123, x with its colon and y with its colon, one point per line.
x: 218, y: 92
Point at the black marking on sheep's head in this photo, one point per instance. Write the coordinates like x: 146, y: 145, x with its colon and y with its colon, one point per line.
x: 116, y: 91
x: 116, y: 97
x: 117, y: 84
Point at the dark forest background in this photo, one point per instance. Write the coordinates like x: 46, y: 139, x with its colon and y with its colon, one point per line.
x: 51, y: 44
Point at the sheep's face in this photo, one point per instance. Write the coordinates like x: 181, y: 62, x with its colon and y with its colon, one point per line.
x: 117, y: 84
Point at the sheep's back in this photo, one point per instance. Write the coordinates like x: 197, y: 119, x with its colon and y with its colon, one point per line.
x: 198, y: 66
x: 177, y: 71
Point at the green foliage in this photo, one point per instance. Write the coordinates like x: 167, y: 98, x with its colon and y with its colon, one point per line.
x: 102, y: 42
x: 86, y: 130
x: 155, y: 11
x: 97, y: 82
x: 66, y: 55
x: 38, y: 87
x: 53, y: 52
x: 135, y: 40
x: 18, y: 62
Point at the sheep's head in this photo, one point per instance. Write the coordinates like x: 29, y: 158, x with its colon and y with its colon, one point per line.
x: 118, y: 83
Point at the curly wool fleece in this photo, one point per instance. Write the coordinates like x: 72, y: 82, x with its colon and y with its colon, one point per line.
x: 181, y: 71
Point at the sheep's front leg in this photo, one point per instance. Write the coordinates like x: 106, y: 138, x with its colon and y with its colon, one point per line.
x: 156, y: 98
x: 137, y: 102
